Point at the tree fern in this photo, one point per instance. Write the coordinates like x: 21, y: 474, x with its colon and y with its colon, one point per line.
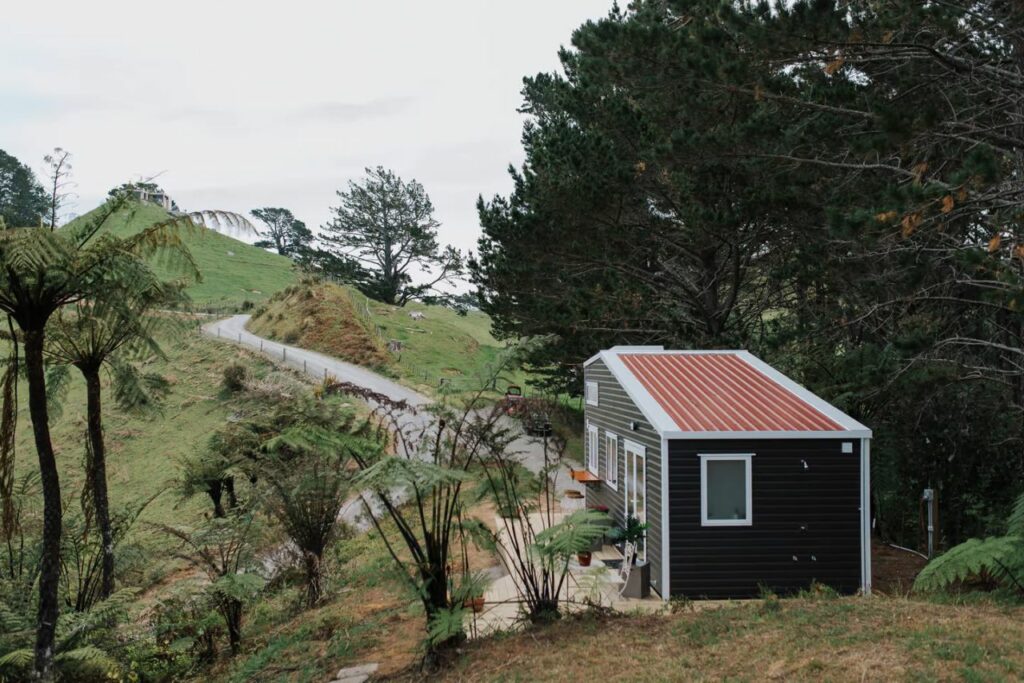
x: 999, y: 558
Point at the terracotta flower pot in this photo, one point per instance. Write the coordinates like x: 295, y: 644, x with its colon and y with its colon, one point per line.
x: 584, y: 558
x: 477, y: 604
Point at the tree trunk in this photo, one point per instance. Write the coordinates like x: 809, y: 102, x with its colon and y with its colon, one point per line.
x: 314, y: 578
x: 233, y: 620
x: 49, y: 563
x: 229, y: 486
x: 215, y: 490
x: 98, y: 474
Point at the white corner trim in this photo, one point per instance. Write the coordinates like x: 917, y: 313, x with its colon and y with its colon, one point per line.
x: 666, y: 564
x: 821, y: 405
x: 614, y: 463
x: 643, y: 400
x: 865, y: 515
x: 746, y: 458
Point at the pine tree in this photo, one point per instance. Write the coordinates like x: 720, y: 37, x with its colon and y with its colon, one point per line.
x: 387, y: 226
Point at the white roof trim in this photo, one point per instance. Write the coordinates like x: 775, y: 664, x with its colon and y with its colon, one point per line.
x: 667, y: 428
x: 811, y: 399
x: 650, y: 408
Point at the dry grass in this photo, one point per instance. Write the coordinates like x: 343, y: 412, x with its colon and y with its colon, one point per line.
x: 320, y: 318
x: 824, y: 638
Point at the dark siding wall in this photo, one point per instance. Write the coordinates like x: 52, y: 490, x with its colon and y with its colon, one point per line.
x: 614, y: 414
x: 806, y: 522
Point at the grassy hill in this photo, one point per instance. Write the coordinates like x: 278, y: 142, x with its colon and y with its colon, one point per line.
x: 441, y: 350
x: 320, y: 318
x: 233, y: 272
x: 819, y: 638
x: 143, y: 450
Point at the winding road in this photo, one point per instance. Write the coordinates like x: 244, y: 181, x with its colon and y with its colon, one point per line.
x: 318, y: 365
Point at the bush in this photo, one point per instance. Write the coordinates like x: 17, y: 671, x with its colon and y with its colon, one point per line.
x: 248, y: 305
x: 234, y: 377
x: 290, y: 337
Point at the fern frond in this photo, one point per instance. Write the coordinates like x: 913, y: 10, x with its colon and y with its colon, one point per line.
x: 16, y: 661
x: 997, y: 557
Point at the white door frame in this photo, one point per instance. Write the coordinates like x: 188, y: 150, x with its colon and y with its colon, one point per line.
x: 633, y: 451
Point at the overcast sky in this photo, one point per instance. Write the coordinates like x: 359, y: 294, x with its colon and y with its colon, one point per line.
x: 236, y: 105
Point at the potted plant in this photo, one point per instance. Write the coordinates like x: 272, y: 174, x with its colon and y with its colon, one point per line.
x: 583, y: 557
x: 633, y: 531
x: 472, y: 590
x: 476, y: 603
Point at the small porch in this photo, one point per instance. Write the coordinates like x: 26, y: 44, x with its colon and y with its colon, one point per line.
x: 598, y: 584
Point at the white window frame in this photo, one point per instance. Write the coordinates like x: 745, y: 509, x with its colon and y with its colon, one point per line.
x: 592, y: 391
x: 611, y: 460
x: 638, y: 452
x: 593, y: 449
x: 747, y: 458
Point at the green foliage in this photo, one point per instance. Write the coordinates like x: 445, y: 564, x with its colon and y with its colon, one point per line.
x: 998, y: 558
x: 284, y: 232
x: 574, y: 534
x: 233, y: 271
x: 23, y: 202
x: 633, y: 531
x: 819, y: 182
x: 384, y: 228
x: 234, y: 377
x: 83, y: 646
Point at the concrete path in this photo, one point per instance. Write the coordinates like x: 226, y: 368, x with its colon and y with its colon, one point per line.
x: 318, y: 365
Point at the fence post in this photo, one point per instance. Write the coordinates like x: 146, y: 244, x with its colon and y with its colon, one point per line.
x: 261, y: 344
x: 218, y: 333
x: 284, y: 353
x: 239, y: 337
x: 303, y: 365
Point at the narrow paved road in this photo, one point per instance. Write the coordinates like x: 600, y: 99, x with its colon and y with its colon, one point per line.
x: 318, y: 365
x: 312, y: 363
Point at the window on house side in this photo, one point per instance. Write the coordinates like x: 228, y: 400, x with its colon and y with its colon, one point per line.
x: 592, y: 393
x: 592, y: 448
x: 611, y: 461
x: 726, y: 489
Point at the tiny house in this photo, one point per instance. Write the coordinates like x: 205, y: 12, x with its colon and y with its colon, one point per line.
x: 746, y: 480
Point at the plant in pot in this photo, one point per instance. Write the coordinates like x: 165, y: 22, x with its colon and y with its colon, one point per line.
x: 583, y: 557
x: 633, y: 531
x: 471, y: 589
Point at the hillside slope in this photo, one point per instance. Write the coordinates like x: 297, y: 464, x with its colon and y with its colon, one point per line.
x: 319, y: 318
x: 233, y: 272
x: 436, y: 347
x: 811, y: 639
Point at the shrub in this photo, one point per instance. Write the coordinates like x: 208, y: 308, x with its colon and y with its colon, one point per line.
x: 234, y: 377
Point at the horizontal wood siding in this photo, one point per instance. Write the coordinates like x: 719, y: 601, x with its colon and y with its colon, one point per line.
x: 806, y: 521
x: 614, y: 412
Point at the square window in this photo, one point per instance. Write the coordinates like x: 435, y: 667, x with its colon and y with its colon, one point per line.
x: 591, y: 393
x: 725, y: 490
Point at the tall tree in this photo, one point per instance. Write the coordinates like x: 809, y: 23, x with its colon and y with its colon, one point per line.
x: 40, y: 272
x: 284, y: 232
x: 110, y: 329
x: 58, y: 183
x: 23, y: 201
x: 635, y: 218
x: 387, y: 225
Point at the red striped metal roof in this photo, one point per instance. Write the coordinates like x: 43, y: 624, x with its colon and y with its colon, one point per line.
x: 721, y: 392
